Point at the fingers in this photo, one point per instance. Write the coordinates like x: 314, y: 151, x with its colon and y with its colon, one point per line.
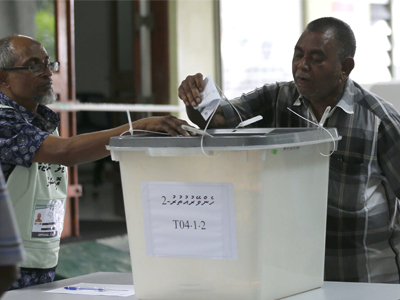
x: 190, y: 89
x: 173, y: 126
x: 168, y: 124
x: 199, y: 81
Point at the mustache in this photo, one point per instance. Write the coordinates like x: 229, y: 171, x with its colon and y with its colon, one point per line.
x: 46, y: 82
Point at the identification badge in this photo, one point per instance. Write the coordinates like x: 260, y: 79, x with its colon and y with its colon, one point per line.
x: 48, y: 220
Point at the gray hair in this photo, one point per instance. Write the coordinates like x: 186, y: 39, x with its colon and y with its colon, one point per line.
x: 7, y: 55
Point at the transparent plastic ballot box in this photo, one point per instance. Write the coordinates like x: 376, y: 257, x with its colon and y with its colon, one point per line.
x: 240, y: 214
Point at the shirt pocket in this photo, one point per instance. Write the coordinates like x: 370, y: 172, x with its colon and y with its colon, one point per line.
x: 347, y: 184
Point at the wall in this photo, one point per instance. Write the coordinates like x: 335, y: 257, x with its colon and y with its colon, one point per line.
x: 192, y: 42
x: 92, y: 51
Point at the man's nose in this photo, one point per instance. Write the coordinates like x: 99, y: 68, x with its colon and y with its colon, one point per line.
x: 47, y: 71
x: 303, y: 64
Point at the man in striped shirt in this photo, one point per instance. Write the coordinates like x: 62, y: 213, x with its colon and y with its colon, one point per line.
x: 11, y: 250
x: 363, y: 233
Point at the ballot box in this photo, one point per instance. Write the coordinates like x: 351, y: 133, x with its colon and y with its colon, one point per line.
x: 239, y: 214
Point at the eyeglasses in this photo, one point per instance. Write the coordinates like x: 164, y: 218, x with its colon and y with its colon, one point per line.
x: 38, y: 69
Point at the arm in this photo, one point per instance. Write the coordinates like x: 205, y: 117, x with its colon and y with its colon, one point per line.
x: 388, y: 152
x: 91, y: 146
x: 189, y: 91
x: 8, y: 274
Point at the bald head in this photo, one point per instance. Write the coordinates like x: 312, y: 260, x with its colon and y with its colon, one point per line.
x: 17, y: 80
x: 25, y: 44
x: 11, y: 47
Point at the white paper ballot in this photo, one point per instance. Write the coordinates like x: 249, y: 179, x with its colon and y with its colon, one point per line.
x: 186, y: 219
x: 210, y: 98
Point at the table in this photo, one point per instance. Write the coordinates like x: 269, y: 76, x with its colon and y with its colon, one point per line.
x: 329, y: 290
x: 35, y: 292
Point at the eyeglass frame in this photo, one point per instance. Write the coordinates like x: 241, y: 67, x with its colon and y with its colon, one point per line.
x: 50, y: 65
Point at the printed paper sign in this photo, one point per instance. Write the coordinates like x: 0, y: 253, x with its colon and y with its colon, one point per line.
x: 210, y: 98
x: 184, y: 219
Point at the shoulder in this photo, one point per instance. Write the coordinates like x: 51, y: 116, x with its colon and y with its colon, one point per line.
x: 10, y: 113
x: 10, y: 118
x: 271, y: 91
x: 375, y: 104
x: 285, y: 86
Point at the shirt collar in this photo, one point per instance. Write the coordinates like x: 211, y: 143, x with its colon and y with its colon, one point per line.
x: 42, y: 111
x: 345, y: 102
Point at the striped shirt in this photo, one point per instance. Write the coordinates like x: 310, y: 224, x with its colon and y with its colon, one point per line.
x: 363, y: 224
x: 11, y: 250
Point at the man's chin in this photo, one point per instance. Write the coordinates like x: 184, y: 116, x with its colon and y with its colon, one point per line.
x: 303, y: 91
x: 45, y: 99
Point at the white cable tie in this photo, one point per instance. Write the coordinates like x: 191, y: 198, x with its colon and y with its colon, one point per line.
x: 130, y: 122
x: 195, y: 130
x: 229, y: 102
x: 249, y: 121
x: 324, y: 116
x: 334, y: 144
x: 302, y: 117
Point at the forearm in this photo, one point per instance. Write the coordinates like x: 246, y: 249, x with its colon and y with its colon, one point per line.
x: 92, y: 146
x: 218, y: 120
x: 78, y: 149
x: 195, y: 117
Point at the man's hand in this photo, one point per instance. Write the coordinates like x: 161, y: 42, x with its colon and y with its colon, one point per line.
x: 190, y: 88
x: 168, y: 124
x: 189, y: 91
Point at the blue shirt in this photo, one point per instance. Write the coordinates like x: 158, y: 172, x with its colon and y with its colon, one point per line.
x: 22, y: 132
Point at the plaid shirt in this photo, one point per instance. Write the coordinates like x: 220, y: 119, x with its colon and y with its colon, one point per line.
x: 363, y: 232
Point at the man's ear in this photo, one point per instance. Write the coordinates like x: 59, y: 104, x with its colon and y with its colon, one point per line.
x: 347, y: 67
x: 3, y: 78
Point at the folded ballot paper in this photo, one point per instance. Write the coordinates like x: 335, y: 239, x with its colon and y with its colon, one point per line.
x: 210, y: 98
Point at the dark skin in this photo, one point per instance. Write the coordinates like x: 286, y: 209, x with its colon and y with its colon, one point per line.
x: 320, y: 76
x: 8, y: 274
x: 22, y: 85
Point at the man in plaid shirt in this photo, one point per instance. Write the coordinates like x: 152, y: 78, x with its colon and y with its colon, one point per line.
x: 362, y: 239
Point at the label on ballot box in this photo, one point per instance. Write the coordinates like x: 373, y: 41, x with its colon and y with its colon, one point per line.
x: 192, y: 220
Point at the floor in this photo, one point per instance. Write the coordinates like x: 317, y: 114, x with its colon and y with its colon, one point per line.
x: 98, y: 255
x: 103, y: 241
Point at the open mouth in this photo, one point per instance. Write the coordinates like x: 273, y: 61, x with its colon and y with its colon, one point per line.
x: 302, y: 80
